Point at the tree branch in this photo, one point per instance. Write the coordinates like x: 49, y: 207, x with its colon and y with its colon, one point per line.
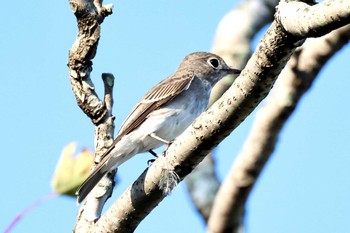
x: 304, y: 20
x: 90, y: 14
x: 80, y: 56
x: 294, y: 81
x: 234, y: 46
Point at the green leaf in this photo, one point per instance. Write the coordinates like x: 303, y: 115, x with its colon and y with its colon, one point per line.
x: 71, y: 170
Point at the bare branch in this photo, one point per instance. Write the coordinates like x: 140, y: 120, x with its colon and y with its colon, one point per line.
x: 80, y: 56
x: 108, y: 80
x: 303, y: 20
x: 232, y: 42
x: 295, y: 80
x: 90, y: 14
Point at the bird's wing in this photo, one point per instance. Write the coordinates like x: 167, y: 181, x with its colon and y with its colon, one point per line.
x: 158, y: 96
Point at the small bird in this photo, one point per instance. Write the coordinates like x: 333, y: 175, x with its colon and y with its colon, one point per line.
x: 163, y: 113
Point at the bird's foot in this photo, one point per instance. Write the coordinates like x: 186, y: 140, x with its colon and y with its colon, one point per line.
x: 153, y: 153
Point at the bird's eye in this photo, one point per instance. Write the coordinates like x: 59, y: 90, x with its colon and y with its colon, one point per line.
x: 213, y: 62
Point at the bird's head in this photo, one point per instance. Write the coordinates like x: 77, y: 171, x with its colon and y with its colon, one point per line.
x: 207, y: 66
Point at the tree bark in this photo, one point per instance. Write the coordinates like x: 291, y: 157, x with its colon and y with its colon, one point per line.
x: 232, y: 41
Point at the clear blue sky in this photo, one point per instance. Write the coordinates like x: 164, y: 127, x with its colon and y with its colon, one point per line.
x: 304, y: 188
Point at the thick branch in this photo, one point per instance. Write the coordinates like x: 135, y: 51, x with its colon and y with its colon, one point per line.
x: 303, y: 20
x: 232, y: 42
x: 295, y: 80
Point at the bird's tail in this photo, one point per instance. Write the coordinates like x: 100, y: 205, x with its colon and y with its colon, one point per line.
x: 108, y: 162
x: 91, y: 181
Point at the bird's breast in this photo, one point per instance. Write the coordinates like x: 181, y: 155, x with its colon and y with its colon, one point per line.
x: 172, y: 119
x: 186, y: 107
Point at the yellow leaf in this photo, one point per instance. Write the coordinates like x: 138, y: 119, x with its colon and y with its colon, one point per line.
x: 71, y: 170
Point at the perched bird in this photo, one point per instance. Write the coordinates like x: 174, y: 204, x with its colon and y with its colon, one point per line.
x: 163, y: 113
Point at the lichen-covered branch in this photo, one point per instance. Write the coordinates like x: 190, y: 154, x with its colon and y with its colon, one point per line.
x: 90, y: 14
x: 80, y: 56
x: 294, y: 81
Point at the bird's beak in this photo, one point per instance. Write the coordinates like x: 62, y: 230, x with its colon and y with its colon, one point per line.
x: 233, y: 71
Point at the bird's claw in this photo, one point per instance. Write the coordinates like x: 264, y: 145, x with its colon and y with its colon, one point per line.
x: 150, y: 161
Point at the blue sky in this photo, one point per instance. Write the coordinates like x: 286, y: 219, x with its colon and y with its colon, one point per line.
x: 304, y: 188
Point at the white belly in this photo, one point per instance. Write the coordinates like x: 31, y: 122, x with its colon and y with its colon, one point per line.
x: 172, y: 119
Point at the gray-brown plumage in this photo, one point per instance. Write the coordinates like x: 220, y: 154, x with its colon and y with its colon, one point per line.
x: 163, y: 113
